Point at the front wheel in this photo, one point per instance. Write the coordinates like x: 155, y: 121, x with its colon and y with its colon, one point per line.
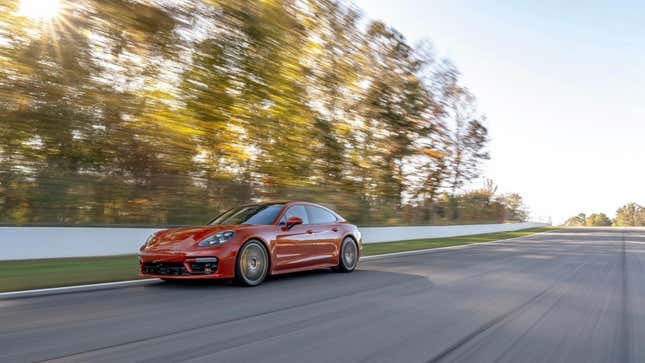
x: 252, y: 264
x: 348, y: 258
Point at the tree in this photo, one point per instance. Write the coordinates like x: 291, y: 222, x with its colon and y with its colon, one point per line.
x: 393, y: 108
x: 467, y: 136
x: 477, y: 205
x: 630, y: 215
x: 598, y: 220
x: 334, y: 61
x: 166, y: 112
x: 576, y: 221
x: 514, y: 207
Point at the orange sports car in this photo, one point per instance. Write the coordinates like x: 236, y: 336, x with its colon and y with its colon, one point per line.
x: 253, y: 241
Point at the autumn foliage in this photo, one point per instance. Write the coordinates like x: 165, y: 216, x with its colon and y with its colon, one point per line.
x: 145, y: 112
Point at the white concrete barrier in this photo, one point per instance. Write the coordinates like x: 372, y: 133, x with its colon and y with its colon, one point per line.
x: 20, y: 243
x: 386, y: 234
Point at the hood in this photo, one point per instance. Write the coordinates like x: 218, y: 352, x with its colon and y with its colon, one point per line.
x: 177, y: 239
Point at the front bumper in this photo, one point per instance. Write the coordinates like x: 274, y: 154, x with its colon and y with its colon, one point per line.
x: 182, y: 266
x: 194, y: 266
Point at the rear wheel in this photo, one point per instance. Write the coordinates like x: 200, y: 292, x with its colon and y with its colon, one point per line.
x: 348, y: 258
x: 252, y: 264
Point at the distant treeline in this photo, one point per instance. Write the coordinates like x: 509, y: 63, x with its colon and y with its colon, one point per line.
x: 629, y: 215
x: 156, y: 112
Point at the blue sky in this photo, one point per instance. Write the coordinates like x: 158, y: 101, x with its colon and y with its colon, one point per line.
x: 562, y: 84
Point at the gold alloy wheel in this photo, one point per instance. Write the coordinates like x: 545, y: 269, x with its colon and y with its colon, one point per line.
x: 253, y: 263
x: 350, y: 254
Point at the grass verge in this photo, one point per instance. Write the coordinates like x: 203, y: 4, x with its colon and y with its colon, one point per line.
x: 35, y: 274
x: 55, y: 272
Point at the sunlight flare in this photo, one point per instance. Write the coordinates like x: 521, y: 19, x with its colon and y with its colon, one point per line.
x: 39, y: 9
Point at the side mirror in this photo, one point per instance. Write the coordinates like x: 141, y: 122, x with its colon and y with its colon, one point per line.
x: 292, y: 221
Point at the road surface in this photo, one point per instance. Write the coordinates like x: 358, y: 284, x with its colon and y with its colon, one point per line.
x: 576, y: 295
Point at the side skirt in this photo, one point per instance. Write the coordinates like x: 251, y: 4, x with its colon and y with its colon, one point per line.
x: 300, y: 269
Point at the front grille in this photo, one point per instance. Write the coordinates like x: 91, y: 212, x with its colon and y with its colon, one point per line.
x: 164, y: 268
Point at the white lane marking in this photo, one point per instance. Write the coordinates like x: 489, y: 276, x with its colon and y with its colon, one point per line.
x: 76, y: 288
x: 128, y: 283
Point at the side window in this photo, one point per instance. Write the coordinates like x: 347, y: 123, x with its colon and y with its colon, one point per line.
x: 295, y: 211
x: 320, y: 216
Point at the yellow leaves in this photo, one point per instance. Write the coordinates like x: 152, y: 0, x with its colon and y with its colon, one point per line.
x: 141, y: 201
x: 176, y: 125
x: 435, y: 154
x: 271, y: 95
x: 342, y: 127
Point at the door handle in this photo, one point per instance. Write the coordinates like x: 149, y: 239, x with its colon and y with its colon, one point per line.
x: 310, y: 231
x: 335, y: 229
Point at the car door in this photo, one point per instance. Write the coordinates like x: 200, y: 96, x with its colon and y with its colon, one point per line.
x: 326, y: 234
x: 294, y: 247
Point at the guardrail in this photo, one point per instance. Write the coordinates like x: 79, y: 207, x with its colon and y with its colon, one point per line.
x: 21, y: 243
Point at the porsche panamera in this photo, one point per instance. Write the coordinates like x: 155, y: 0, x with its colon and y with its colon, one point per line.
x: 251, y: 242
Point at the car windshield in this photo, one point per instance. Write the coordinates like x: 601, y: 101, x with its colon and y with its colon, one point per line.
x: 249, y: 214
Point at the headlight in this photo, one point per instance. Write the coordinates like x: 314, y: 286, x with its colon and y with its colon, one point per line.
x: 217, y: 238
x: 147, y: 241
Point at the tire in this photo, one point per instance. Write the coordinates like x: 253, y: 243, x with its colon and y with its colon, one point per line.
x: 348, y: 257
x: 252, y: 264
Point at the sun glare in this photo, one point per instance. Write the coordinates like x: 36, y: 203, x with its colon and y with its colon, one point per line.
x: 39, y: 9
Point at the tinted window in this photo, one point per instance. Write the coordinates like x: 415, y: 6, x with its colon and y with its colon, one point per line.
x: 295, y: 211
x: 250, y: 214
x: 319, y: 215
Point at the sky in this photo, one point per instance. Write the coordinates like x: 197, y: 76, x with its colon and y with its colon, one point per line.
x: 562, y: 84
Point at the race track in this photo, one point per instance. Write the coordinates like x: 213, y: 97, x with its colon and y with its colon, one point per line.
x: 575, y: 295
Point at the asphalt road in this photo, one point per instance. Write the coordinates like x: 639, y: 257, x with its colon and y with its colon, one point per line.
x: 568, y: 296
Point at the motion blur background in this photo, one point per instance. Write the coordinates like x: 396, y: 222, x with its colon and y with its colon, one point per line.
x: 168, y: 112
